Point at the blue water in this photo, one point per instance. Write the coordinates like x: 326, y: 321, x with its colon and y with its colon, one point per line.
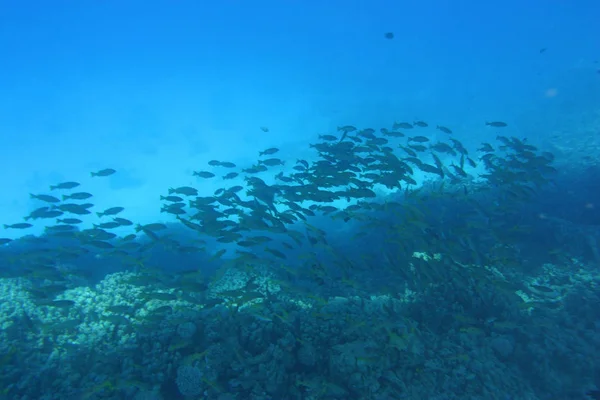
x: 156, y: 90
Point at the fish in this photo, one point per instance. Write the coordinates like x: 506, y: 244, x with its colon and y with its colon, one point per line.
x: 275, y: 252
x: 65, y: 185
x: 174, y: 208
x: 73, y: 221
x: 594, y: 394
x: 264, y: 129
x: 231, y: 175
x: 497, y: 124
x: 173, y: 199
x: 60, y: 228
x: 79, y: 209
x: 396, y: 134
x: 120, y: 309
x: 164, y: 296
x: 122, y: 221
x: 203, y: 174
x: 329, y: 138
x: 110, y: 211
x: 107, y: 225
x: 150, y: 227
x: 409, y: 151
x: 368, y: 133
x: 103, y: 172
x: 271, y: 162
x: 443, y: 148
x: 486, y: 147
x: 389, y: 35
x: 100, y: 244
x: 268, y: 152
x: 444, y: 129
x: 45, y: 197
x: 184, y: 190
x: 61, y: 303
x: 346, y: 128
x: 417, y: 147
x: 20, y: 225
x: 402, y: 125
x: 217, y: 255
x: 77, y: 196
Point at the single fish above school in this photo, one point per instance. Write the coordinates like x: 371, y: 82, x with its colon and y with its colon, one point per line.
x: 497, y: 124
x: 103, y: 172
x: 268, y: 152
